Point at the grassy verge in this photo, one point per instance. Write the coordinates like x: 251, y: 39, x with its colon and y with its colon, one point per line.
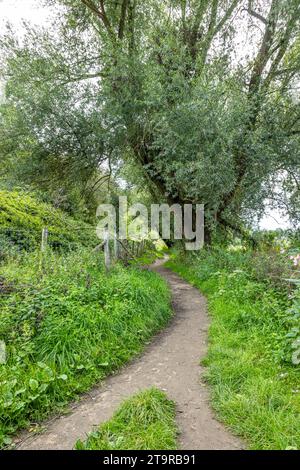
x: 66, y: 325
x: 144, y: 422
x: 22, y: 219
x: 255, y: 387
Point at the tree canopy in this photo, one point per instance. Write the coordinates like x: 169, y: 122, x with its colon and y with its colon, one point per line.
x: 198, y: 98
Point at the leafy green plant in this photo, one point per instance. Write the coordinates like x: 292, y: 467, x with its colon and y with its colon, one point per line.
x: 67, y: 325
x: 145, y: 421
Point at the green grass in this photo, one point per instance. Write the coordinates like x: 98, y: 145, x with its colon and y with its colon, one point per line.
x: 145, y: 421
x: 147, y: 258
x: 66, y: 325
x: 255, y: 388
x: 22, y: 218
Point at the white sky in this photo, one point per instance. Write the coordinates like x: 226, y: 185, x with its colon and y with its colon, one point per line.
x: 15, y: 11
x: 273, y: 220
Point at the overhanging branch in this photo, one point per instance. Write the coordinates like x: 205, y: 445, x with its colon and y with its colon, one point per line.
x: 255, y: 14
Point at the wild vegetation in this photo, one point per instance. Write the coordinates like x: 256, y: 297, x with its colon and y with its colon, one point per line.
x: 145, y: 421
x: 66, y: 324
x: 253, y: 359
x: 177, y: 101
x: 22, y: 218
x: 164, y: 89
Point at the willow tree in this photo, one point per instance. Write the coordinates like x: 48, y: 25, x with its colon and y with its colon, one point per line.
x: 202, y: 122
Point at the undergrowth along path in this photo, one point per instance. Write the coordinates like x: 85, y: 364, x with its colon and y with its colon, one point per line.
x: 171, y: 363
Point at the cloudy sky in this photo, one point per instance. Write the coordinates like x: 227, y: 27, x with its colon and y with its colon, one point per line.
x: 16, y: 10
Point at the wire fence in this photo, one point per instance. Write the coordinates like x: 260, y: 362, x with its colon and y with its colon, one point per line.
x: 112, y: 247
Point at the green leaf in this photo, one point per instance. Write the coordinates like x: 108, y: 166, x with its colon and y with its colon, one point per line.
x: 21, y: 390
x: 42, y: 365
x: 43, y: 387
x: 63, y: 377
x: 7, y: 440
x: 33, y: 384
x: 19, y: 406
x: 12, y: 383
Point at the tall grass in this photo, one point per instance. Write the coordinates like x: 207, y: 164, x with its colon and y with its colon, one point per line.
x: 255, y: 387
x: 66, y: 325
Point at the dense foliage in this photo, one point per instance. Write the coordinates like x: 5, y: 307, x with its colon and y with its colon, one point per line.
x: 22, y: 218
x: 66, y: 324
x: 145, y: 421
x: 198, y: 98
x: 251, y: 360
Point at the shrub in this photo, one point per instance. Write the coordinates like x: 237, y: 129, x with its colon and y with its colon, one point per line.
x: 271, y: 266
x: 293, y: 335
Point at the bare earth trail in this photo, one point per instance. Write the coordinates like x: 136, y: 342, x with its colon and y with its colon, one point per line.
x: 171, y: 363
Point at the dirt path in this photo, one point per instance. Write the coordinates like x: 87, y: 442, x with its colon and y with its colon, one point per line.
x: 171, y: 363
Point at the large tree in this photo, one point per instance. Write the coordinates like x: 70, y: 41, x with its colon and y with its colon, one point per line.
x: 160, y: 84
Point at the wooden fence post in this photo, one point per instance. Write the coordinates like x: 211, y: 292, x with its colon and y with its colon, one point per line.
x: 141, y: 248
x: 44, y: 239
x: 116, y: 246
x: 106, y: 249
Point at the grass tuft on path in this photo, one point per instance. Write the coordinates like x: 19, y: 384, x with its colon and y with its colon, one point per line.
x: 145, y: 421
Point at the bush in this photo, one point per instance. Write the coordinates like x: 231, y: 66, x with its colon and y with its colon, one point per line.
x: 293, y: 335
x: 271, y: 266
x: 267, y: 267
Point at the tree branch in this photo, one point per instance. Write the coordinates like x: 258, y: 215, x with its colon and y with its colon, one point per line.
x: 282, y: 46
x: 265, y: 48
x: 214, y: 28
x: 105, y: 17
x: 92, y: 7
x: 210, y: 32
x: 199, y: 15
x: 83, y: 77
x: 213, y: 17
x: 131, y: 25
x: 226, y: 16
x: 101, y: 14
x: 122, y: 19
x: 183, y: 13
x: 255, y: 14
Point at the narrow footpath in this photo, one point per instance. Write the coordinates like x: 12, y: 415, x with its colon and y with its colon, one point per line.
x: 172, y: 363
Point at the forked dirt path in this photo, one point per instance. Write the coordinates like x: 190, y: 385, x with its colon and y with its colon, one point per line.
x: 171, y: 363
